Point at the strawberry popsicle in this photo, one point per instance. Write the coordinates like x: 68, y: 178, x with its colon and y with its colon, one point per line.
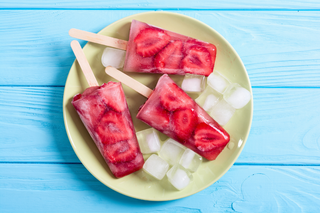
x: 171, y: 111
x: 105, y: 114
x: 151, y: 49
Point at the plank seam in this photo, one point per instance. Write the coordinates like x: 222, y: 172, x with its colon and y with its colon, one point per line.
x: 171, y: 9
x: 235, y: 164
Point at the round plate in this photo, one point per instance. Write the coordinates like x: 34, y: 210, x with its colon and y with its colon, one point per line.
x: 139, y: 185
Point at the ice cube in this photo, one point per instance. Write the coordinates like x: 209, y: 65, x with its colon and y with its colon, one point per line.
x: 190, y: 160
x: 179, y: 177
x: 193, y: 83
x: 208, y: 98
x: 156, y: 166
x: 237, y: 96
x: 222, y: 112
x: 218, y: 82
x: 113, y: 57
x: 148, y: 140
x: 210, y: 101
x: 171, y: 151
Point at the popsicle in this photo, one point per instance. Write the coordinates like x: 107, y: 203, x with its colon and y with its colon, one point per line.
x: 105, y: 114
x: 151, y: 49
x: 171, y: 111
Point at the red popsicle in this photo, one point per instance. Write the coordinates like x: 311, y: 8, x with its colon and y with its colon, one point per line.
x: 151, y: 49
x: 105, y: 114
x: 171, y: 111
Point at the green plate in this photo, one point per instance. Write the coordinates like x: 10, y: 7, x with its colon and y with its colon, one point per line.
x: 139, y: 185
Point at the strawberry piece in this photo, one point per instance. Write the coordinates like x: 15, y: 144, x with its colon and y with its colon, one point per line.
x: 208, y: 138
x: 213, y: 52
x: 173, y: 97
x: 122, y: 151
x: 210, y: 47
x: 169, y: 58
x: 122, y: 169
x: 115, y: 99
x: 113, y: 127
x: 146, y: 64
x: 199, y: 59
x: 150, y: 41
x: 184, y: 122
x: 76, y: 97
x: 89, y: 107
x: 160, y: 117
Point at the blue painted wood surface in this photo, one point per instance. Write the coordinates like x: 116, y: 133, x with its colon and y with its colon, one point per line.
x: 278, y: 170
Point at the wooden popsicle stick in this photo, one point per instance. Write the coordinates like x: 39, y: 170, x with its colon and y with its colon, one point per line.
x: 99, y: 39
x: 130, y: 82
x: 84, y: 64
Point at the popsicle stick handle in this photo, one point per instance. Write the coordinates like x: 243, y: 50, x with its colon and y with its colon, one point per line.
x: 84, y: 64
x: 130, y: 82
x: 99, y: 39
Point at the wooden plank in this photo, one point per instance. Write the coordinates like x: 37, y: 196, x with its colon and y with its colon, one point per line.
x: 164, y: 4
x: 278, y: 48
x: 285, y: 128
x: 32, y: 127
x: 71, y: 188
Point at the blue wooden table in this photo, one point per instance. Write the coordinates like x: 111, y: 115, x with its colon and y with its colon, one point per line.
x: 279, y: 168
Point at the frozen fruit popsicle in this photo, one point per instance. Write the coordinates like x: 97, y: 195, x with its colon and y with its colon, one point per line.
x: 171, y: 111
x: 105, y: 114
x: 151, y: 49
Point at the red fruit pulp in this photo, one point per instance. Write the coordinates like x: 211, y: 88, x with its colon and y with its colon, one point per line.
x: 173, y: 98
x: 122, y: 151
x: 113, y: 127
x: 150, y: 41
x: 169, y: 58
x: 197, y: 61
x: 184, y: 121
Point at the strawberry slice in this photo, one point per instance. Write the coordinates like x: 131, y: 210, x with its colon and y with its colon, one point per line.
x: 169, y: 58
x: 197, y: 61
x: 115, y: 99
x: 89, y: 107
x: 160, y: 117
x: 184, y: 122
x: 126, y: 168
x: 113, y: 127
x: 173, y: 97
x: 210, y: 47
x: 150, y: 41
x: 208, y: 138
x: 122, y: 151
